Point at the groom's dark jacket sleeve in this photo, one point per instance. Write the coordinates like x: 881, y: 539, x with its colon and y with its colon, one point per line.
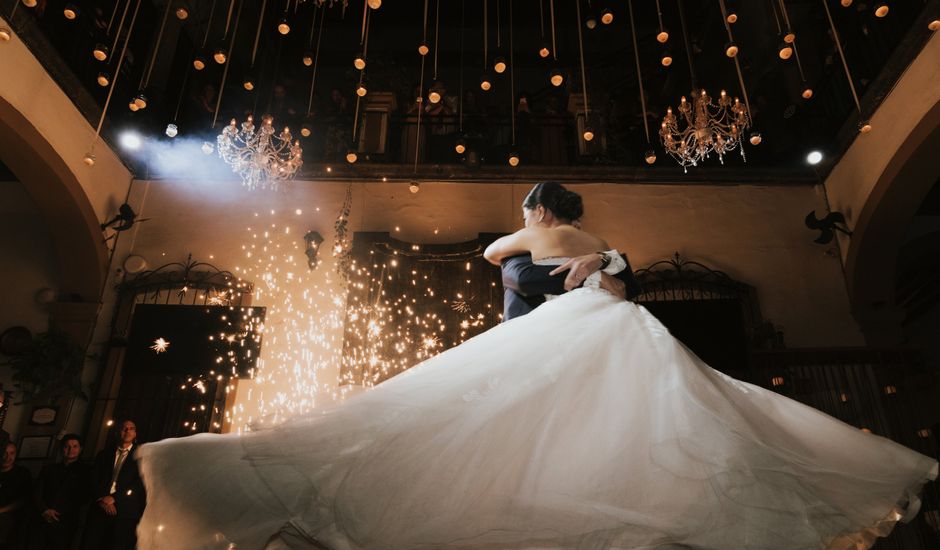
x: 528, y: 279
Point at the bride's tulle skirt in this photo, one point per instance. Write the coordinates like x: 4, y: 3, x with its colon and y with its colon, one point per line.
x: 584, y: 425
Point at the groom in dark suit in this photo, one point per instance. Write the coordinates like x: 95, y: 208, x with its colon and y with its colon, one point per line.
x: 525, y: 284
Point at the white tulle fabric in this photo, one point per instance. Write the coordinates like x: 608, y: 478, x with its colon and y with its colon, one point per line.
x: 582, y: 425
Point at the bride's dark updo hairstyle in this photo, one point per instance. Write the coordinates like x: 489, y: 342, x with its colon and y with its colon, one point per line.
x: 564, y: 204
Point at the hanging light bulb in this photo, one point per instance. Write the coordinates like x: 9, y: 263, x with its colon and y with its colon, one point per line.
x: 171, y: 130
x: 846, y: 3
x: 881, y: 9
x: 5, y: 34
x: 434, y: 96
x: 785, y: 50
x: 650, y: 156
x: 182, y: 13
x: 199, y: 62
x: 283, y: 26
x: 513, y: 159
x: 588, y: 134
x: 807, y: 91
x: 414, y: 186
x: 731, y: 49
x: 423, y: 48
x: 556, y: 77
x: 307, y: 127
x: 359, y: 61
x: 104, y: 79
x: 249, y: 82
x: 485, y: 83
x: 544, y: 50
x: 864, y: 126
x: 70, y: 11
x: 461, y: 146
x: 755, y: 138
x: 30, y: 3
x: 89, y: 159
x: 352, y: 156
x: 663, y: 36
x: 100, y: 52
x: 220, y: 55
x: 140, y: 100
x: 666, y: 59
x: 934, y: 25
x: 732, y: 17
x: 307, y: 59
x: 361, y: 90
x: 590, y: 21
x: 789, y: 36
x: 499, y: 64
x: 607, y: 16
x: 375, y: 4
x: 132, y: 105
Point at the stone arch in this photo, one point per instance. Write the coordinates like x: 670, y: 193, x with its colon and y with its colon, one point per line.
x: 81, y: 254
x: 872, y: 255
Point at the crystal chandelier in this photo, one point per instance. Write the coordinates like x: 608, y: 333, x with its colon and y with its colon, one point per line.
x: 260, y: 156
x: 708, y: 128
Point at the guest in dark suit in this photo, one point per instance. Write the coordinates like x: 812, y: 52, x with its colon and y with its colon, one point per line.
x: 118, y: 495
x: 526, y: 283
x: 61, y: 491
x: 14, y: 498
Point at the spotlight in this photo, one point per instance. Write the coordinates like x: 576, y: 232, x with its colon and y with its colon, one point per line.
x: 807, y: 91
x: 70, y: 11
x: 140, y: 100
x: 100, y: 52
x: 461, y: 146
x: 755, y: 138
x: 514, y: 159
x: 104, y: 79
x: 544, y: 50
x: 199, y: 62
x: 864, y: 126
x: 307, y: 59
x: 207, y: 148
x: 220, y: 56
x: 89, y: 159
x: 249, y: 83
x: 423, y: 48
x: 434, y: 96
x: 588, y: 134
x: 881, y: 9
x: 556, y: 77
x: 785, y: 50
x: 607, y: 16
x: 590, y: 21
x: 5, y: 34
x: 814, y: 157
x: 666, y: 59
x: 361, y: 90
x: 414, y: 186
x: 283, y: 26
x: 131, y: 140
x: 359, y: 61
x: 663, y: 36
x: 846, y: 3
x: 731, y: 49
x: 499, y: 64
x: 352, y: 156
x: 933, y: 25
x: 182, y: 13
x: 374, y: 4
x: 171, y: 130
x: 30, y: 3
x: 485, y: 83
x: 650, y: 156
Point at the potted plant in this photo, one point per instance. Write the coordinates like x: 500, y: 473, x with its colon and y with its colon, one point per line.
x: 49, y: 368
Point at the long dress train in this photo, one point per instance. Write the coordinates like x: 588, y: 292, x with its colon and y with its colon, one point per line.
x: 583, y: 425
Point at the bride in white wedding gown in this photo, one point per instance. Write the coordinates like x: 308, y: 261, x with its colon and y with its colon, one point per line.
x: 583, y: 424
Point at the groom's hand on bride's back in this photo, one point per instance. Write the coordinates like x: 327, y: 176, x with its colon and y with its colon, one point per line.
x: 578, y: 270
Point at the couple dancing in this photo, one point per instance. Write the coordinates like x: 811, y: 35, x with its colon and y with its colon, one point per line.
x: 583, y: 424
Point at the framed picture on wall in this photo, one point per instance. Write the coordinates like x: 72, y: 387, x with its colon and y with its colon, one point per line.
x: 43, y: 415
x: 35, y: 446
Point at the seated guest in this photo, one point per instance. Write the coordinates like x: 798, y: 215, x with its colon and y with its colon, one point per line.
x: 14, y: 496
x: 61, y: 490
x: 117, y: 493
